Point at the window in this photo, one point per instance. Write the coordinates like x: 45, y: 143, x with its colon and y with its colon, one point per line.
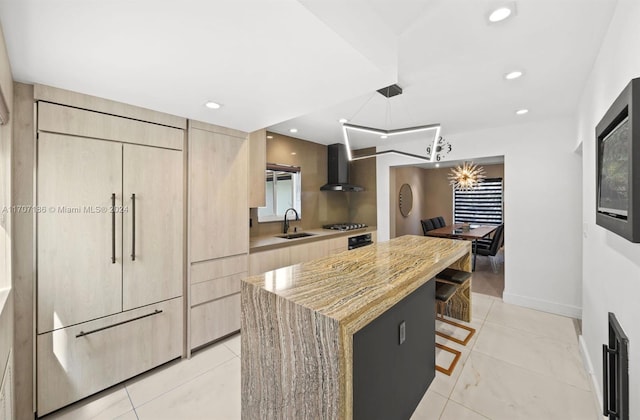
x: 283, y: 186
x: 482, y: 205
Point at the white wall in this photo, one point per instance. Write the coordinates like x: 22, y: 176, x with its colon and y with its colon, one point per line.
x: 611, y: 264
x: 542, y: 208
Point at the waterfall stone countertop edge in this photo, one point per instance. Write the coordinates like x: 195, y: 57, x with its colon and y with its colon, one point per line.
x: 354, y: 287
x: 264, y: 243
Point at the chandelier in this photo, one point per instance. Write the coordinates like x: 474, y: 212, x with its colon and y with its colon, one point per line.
x: 388, y: 92
x: 466, y: 177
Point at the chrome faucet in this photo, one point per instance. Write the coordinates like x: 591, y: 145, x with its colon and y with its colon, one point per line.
x: 285, y: 225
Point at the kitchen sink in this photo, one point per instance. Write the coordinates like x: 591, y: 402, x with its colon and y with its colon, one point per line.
x: 295, y: 235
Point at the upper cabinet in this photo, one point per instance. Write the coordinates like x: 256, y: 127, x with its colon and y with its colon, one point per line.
x: 257, y: 165
x: 218, y: 199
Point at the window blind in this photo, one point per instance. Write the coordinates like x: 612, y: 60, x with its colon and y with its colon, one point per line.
x: 482, y: 205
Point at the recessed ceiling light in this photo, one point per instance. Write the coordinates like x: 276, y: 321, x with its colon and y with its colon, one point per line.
x: 269, y: 137
x: 342, y: 120
x: 437, y: 165
x: 293, y: 153
x: 383, y: 137
x: 212, y: 105
x: 522, y: 111
x: 293, y: 130
x: 500, y: 14
x: 513, y: 75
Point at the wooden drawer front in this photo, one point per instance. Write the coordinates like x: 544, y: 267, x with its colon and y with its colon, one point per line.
x: 215, y: 289
x: 338, y: 245
x: 221, y: 267
x: 213, y: 320
x: 70, y: 368
x: 264, y: 261
x: 80, y: 122
x: 307, y: 252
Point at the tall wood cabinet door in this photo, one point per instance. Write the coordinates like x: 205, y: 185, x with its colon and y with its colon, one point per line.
x: 218, y: 198
x: 78, y: 236
x: 152, y: 225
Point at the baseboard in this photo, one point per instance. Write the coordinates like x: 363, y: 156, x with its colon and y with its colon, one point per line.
x: 543, y: 305
x: 586, y: 361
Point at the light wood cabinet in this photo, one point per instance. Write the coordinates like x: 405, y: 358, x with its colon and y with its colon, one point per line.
x: 83, y: 271
x: 307, y: 252
x: 218, y: 229
x: 153, y: 254
x: 77, y: 278
x: 215, y: 298
x: 219, y: 213
x: 257, y: 166
x: 272, y: 259
x: 110, y: 251
x: 79, y: 360
x: 263, y: 261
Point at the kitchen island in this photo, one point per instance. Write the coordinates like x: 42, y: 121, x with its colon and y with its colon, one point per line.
x: 299, y: 323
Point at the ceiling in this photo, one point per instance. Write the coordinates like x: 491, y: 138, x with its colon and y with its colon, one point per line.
x: 306, y: 63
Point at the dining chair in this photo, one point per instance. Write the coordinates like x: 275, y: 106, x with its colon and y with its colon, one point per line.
x: 490, y: 248
x: 441, y: 221
x: 427, y: 225
x: 437, y: 222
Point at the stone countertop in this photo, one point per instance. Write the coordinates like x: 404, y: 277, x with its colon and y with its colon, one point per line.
x: 364, y: 281
x: 263, y: 243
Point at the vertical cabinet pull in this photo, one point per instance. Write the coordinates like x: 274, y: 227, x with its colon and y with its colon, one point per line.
x: 607, y: 353
x: 133, y: 227
x: 113, y: 228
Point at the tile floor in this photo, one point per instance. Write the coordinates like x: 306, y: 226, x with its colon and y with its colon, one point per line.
x: 521, y: 364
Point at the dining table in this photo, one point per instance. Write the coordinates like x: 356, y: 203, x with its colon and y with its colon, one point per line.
x: 469, y: 232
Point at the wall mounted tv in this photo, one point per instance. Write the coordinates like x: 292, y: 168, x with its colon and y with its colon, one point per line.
x: 618, y: 165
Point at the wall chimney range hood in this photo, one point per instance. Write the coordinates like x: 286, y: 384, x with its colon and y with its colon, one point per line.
x: 338, y: 170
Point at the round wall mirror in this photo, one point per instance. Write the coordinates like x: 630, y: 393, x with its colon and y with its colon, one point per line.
x: 406, y: 199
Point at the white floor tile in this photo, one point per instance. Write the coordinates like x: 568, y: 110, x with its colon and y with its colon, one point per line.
x: 455, y: 411
x: 104, y: 406
x: 213, y: 395
x: 541, y: 354
x: 500, y: 390
x: 430, y: 407
x: 536, y: 322
x: 233, y: 343
x: 480, y: 306
x: 130, y: 415
x: 149, y: 386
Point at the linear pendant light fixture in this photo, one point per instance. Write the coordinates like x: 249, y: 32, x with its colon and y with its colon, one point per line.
x: 389, y: 92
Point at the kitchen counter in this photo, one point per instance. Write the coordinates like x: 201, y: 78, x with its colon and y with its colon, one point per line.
x: 298, y: 322
x: 263, y: 243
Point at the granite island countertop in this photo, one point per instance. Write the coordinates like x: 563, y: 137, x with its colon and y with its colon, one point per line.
x: 298, y: 322
x: 370, y: 279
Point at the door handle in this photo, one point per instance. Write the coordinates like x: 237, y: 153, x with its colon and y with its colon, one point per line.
x: 113, y: 228
x: 133, y: 227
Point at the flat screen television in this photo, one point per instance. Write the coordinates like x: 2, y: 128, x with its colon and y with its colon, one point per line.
x: 618, y: 165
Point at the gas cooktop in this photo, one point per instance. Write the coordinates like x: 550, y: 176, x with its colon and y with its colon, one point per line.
x: 345, y: 226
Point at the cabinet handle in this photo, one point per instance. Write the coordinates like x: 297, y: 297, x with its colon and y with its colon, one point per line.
x: 606, y: 354
x: 133, y: 227
x: 113, y: 228
x: 82, y: 333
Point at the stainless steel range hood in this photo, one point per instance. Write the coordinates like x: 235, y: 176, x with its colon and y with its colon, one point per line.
x: 338, y: 170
